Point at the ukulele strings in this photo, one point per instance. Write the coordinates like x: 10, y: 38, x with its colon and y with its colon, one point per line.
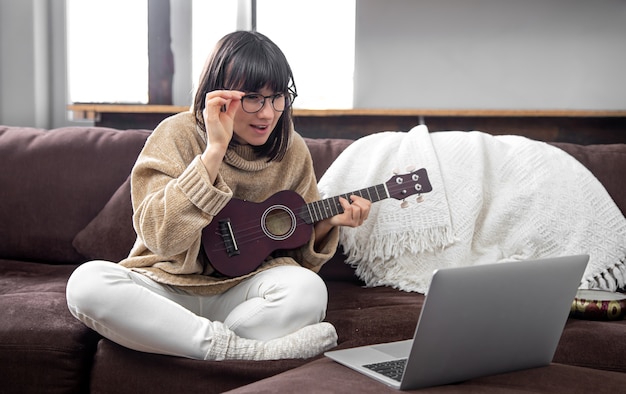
x: 253, y: 231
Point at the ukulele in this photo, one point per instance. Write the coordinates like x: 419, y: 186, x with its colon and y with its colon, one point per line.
x: 243, y: 234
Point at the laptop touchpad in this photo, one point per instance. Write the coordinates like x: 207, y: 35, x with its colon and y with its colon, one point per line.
x: 399, y: 349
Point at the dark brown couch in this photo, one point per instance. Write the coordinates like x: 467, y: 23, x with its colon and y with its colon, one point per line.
x: 64, y: 199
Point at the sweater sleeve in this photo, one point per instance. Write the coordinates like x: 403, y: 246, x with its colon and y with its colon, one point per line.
x: 173, y: 198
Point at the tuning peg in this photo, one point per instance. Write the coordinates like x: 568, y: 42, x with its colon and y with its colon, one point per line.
x: 395, y: 171
x: 419, y: 198
x: 404, y: 204
x: 410, y: 168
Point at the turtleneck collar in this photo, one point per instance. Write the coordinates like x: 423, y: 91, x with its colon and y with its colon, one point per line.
x: 244, y: 158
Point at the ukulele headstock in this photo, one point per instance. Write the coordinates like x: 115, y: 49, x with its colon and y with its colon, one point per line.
x: 401, y: 186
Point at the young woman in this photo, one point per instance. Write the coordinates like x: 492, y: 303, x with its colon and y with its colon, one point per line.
x: 236, y: 142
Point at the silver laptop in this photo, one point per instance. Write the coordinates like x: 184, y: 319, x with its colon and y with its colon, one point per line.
x: 477, y: 321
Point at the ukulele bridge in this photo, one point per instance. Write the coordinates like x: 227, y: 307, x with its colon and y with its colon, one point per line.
x: 226, y: 232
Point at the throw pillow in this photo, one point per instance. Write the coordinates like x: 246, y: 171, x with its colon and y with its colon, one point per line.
x: 110, y: 235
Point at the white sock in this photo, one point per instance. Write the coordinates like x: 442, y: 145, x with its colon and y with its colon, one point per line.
x: 307, y: 342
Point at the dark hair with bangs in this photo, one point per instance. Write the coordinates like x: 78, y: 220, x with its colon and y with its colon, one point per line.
x: 249, y: 61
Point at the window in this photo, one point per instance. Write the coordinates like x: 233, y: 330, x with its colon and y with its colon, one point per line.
x: 317, y: 38
x: 207, y: 30
x: 108, y: 46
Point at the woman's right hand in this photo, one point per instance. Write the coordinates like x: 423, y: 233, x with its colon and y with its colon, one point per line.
x: 219, y: 114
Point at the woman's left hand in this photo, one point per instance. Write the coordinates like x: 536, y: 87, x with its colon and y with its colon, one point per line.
x: 354, y: 214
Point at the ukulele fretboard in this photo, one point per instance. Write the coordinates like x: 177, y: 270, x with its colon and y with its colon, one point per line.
x: 329, y: 207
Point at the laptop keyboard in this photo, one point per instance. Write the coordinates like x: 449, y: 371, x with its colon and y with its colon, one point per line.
x: 392, y: 369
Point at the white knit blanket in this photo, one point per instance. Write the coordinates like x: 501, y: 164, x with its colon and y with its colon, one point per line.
x: 494, y: 199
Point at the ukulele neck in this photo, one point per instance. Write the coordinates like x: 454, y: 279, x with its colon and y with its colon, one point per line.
x: 329, y: 207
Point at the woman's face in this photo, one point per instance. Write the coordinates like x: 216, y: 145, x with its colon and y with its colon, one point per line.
x: 255, y: 129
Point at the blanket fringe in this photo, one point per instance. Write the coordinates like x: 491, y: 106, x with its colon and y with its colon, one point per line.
x: 611, y: 279
x: 392, y: 246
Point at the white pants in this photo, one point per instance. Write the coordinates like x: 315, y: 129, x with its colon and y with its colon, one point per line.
x: 139, y: 313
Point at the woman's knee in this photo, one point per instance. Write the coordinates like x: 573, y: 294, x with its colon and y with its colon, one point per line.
x: 302, y: 289
x: 88, y: 284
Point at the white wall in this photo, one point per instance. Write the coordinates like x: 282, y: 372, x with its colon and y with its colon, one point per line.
x: 493, y: 54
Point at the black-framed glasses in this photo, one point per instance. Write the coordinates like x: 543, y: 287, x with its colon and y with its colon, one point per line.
x: 254, y: 102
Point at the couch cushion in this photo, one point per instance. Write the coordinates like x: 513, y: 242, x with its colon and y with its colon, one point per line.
x: 55, y: 182
x: 110, y: 235
x: 324, y: 151
x: 365, y: 316
x: 336, y: 269
x: 43, y: 348
x: 593, y: 344
x: 120, y: 370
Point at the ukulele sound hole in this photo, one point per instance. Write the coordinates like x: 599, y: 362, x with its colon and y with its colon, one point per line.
x: 278, y: 222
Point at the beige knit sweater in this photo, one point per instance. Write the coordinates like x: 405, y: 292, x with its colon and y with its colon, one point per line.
x: 173, y: 200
